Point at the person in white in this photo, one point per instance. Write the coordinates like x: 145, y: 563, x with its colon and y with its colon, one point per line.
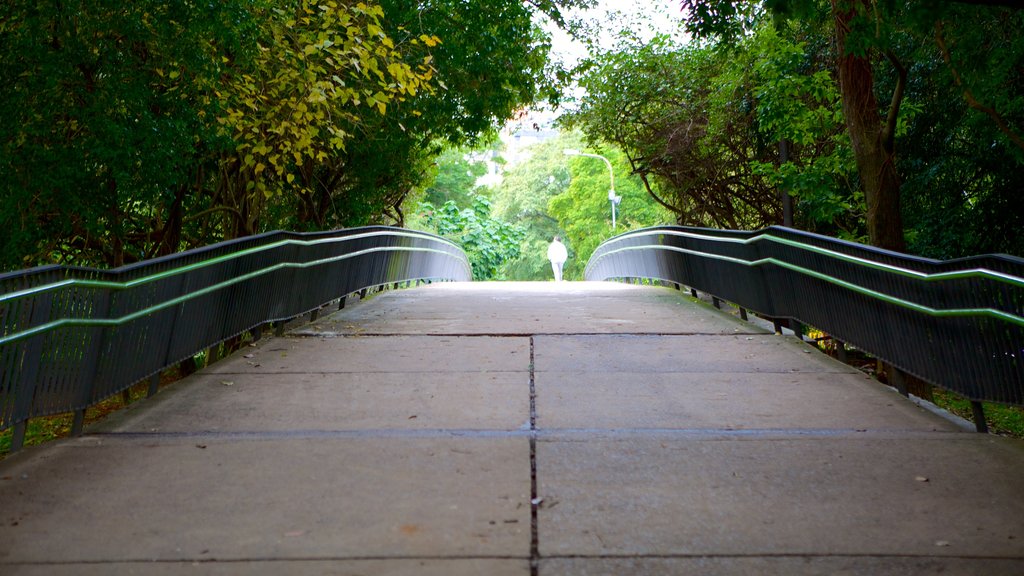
x: 558, y: 255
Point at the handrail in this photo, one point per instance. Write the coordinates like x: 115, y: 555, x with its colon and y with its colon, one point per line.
x: 71, y: 336
x: 957, y: 324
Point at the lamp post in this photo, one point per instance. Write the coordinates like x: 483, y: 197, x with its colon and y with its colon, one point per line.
x: 612, y: 198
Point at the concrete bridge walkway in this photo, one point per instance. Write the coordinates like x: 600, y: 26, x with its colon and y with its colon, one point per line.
x: 510, y: 429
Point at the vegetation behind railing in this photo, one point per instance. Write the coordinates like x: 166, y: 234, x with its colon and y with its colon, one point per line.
x: 957, y: 324
x: 70, y: 337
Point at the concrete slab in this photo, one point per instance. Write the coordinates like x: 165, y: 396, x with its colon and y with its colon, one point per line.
x: 529, y: 308
x: 731, y: 401
x: 644, y: 353
x: 208, y: 499
x: 774, y: 566
x: 819, y: 496
x: 411, y: 567
x: 332, y: 401
x: 395, y: 438
x: 411, y: 354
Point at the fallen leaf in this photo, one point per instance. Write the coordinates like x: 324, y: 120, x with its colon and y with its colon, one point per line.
x: 249, y: 356
x: 921, y: 479
x: 227, y: 382
x: 201, y: 446
x: 942, y: 543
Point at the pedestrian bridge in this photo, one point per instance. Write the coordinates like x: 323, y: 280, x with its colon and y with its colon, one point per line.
x: 501, y: 428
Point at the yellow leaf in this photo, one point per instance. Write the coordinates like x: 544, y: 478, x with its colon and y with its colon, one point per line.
x: 290, y: 178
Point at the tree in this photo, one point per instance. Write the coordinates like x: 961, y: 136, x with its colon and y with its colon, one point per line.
x: 690, y: 138
x: 872, y: 62
x: 584, y: 212
x: 523, y: 197
x: 488, y: 242
x: 105, y: 124
x: 136, y: 130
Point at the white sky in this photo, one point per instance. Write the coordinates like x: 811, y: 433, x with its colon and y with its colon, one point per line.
x: 644, y: 18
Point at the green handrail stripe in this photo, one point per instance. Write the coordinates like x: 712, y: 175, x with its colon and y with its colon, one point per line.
x: 953, y: 312
x: 101, y: 284
x: 96, y: 322
x: 938, y: 276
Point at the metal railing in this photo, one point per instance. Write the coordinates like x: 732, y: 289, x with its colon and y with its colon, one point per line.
x: 71, y: 337
x: 957, y: 324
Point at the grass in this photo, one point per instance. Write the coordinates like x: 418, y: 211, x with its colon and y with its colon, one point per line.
x: 48, y: 428
x: 1002, y: 419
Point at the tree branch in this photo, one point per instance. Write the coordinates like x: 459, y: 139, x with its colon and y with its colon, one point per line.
x: 940, y: 40
x: 889, y: 131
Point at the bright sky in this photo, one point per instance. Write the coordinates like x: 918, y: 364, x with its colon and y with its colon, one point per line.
x: 644, y: 18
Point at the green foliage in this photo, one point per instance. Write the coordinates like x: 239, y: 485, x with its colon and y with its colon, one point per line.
x: 455, y: 178
x: 105, y: 116
x: 583, y: 210
x: 523, y: 197
x: 684, y: 117
x: 139, y: 129
x: 958, y: 142
x: 488, y: 242
x: 305, y: 95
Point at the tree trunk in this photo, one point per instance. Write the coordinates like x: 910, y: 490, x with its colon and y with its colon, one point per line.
x: 871, y: 136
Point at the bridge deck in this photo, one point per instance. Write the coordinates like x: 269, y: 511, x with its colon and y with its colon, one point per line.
x: 498, y: 429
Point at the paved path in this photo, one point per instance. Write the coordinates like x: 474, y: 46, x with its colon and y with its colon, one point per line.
x: 502, y: 429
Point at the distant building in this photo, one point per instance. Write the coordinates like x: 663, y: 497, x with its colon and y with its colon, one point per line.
x: 528, y: 128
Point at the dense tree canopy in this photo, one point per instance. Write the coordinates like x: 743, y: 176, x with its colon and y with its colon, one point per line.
x: 136, y: 129
x: 898, y: 123
x: 949, y: 73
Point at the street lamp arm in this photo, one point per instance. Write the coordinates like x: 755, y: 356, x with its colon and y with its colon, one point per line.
x: 611, y: 173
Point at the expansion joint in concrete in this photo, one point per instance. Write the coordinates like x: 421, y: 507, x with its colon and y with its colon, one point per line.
x: 534, y: 498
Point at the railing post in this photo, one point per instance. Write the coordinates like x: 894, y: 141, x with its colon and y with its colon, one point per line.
x: 693, y: 292
x: 212, y: 354
x: 797, y: 328
x: 314, y: 315
x: 897, y: 380
x: 717, y: 303
x: 18, y: 436
x: 25, y: 390
x: 841, y: 354
x: 980, y: 424
x: 154, y: 385
x: 743, y: 313
x: 341, y: 302
x: 90, y: 366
